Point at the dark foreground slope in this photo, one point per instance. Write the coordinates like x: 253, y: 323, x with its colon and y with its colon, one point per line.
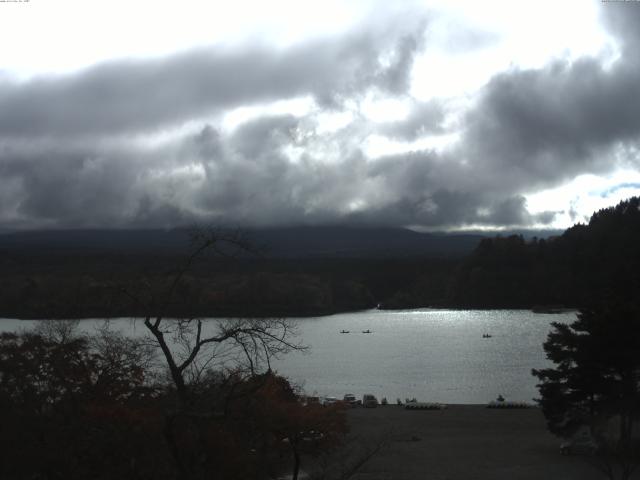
x: 463, y: 442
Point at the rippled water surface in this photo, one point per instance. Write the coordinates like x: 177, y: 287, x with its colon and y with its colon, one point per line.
x: 433, y: 355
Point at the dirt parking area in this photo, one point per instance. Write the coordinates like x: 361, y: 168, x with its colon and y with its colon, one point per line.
x: 463, y: 442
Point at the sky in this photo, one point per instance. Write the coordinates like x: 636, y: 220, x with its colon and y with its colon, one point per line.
x: 432, y: 115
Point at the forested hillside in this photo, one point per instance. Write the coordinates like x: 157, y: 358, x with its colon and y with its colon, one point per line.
x: 67, y: 285
x: 600, y: 258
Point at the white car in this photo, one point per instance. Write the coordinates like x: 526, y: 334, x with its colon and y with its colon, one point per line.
x: 328, y: 401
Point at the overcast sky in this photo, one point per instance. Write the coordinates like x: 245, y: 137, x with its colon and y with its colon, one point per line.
x: 436, y: 115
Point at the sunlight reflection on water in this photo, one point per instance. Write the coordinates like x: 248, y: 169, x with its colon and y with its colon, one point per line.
x: 433, y: 355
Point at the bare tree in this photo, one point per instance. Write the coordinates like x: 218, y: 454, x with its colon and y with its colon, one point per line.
x: 58, y: 331
x: 192, y: 347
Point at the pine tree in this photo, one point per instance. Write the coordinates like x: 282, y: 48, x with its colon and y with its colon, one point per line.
x: 597, y: 372
x: 596, y: 380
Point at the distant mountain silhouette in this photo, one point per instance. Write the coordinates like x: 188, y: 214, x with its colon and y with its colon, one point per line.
x: 97, y: 241
x: 291, y: 242
x: 339, y: 242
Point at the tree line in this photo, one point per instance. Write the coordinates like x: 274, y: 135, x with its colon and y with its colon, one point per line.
x: 594, y: 383
x: 509, y: 272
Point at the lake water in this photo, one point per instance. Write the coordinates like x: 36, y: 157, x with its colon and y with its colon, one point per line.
x: 433, y: 355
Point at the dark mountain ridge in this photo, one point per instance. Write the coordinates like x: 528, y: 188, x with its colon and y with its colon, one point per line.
x: 290, y: 242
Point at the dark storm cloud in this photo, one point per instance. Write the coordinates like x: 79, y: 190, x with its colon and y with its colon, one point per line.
x: 396, y: 77
x: 265, y: 134
x: 251, y: 180
x: 530, y: 129
x: 448, y: 209
x: 127, y: 96
x: 246, y: 179
x: 262, y: 186
x: 538, y: 128
x: 76, y: 186
x: 427, y: 190
x: 553, y: 123
x: 67, y: 157
x: 70, y: 153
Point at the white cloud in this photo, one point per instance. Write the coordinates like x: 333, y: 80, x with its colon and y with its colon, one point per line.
x: 296, y: 106
x: 585, y: 194
x: 65, y: 35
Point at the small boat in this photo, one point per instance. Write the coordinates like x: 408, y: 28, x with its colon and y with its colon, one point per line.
x: 486, y: 335
x: 366, y: 331
x: 344, y: 331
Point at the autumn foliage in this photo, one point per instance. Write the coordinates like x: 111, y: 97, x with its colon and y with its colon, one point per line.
x: 86, y: 407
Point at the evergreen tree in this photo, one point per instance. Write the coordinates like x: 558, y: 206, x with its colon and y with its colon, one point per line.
x: 596, y: 378
x: 597, y: 372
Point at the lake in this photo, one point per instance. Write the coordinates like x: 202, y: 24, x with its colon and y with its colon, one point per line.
x: 430, y: 354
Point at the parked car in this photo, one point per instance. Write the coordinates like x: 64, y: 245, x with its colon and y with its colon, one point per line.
x: 328, y: 401
x: 351, y: 400
x: 583, y: 444
x: 369, y: 401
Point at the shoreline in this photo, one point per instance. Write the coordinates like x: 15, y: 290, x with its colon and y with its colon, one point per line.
x: 293, y: 316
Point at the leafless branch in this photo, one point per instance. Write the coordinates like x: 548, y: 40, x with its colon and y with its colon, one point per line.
x: 183, y: 341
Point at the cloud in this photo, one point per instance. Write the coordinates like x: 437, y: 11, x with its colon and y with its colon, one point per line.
x: 538, y: 128
x: 129, y: 96
x: 250, y: 179
x: 70, y: 156
x: 464, y: 40
x: 621, y: 19
x: 396, y: 77
x: 621, y: 186
x: 244, y: 178
x: 424, y: 118
x: 70, y: 153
